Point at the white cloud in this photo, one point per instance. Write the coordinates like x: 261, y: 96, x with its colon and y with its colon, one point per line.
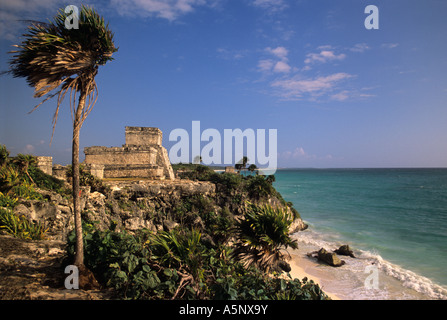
x: 325, y: 47
x: 273, y: 5
x: 14, y: 12
x: 296, y: 88
x: 279, y: 52
x: 389, y: 45
x: 297, y: 153
x: 306, y: 68
x: 265, y: 65
x: 301, y: 156
x: 281, y: 66
x: 29, y: 6
x: 29, y: 149
x: 351, y: 95
x: 293, y: 154
x: 290, y: 83
x: 323, y: 57
x: 231, y: 54
x: 167, y: 9
x: 360, y: 47
x: 341, y: 96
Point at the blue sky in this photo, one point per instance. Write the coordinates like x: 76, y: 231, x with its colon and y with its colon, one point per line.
x: 338, y: 94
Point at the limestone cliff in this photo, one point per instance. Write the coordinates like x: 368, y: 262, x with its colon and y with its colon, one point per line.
x: 152, y: 205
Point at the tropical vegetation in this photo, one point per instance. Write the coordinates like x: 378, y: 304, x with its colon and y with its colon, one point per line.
x: 224, y: 256
x: 56, y: 60
x: 178, y: 264
x: 20, y: 179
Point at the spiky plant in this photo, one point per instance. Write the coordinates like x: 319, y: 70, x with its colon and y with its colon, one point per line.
x: 55, y: 61
x: 23, y: 162
x: 262, y: 235
x: 4, y: 154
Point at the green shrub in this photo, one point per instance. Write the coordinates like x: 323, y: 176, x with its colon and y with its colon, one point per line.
x: 259, y: 187
x: 4, y: 154
x: 9, y: 177
x: 20, y: 227
x: 20, y: 177
x: 87, y: 179
x: 229, y: 181
x: 193, y: 171
x: 177, y: 265
x: 181, y: 250
x: 26, y: 191
x: 7, y: 201
x: 218, y: 224
x: 46, y: 181
x: 262, y: 235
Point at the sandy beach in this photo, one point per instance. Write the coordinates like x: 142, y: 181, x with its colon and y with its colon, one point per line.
x: 300, y: 267
x: 348, y: 282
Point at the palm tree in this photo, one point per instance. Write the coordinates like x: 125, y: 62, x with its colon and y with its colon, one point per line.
x: 262, y: 236
x: 244, y: 161
x: 241, y: 164
x: 54, y: 58
x: 23, y: 162
x: 252, y: 168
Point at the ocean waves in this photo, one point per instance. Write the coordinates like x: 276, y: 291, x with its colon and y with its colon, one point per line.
x: 348, y: 281
x: 386, y: 216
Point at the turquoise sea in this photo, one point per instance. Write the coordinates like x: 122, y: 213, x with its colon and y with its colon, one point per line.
x: 394, y: 219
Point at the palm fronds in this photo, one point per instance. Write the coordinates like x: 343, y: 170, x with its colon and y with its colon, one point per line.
x: 262, y: 236
x: 52, y: 57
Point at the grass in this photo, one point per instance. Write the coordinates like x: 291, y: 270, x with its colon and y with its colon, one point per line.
x: 20, y: 227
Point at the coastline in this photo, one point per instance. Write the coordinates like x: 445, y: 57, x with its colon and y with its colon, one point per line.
x: 299, y: 268
x: 377, y: 213
x: 348, y: 281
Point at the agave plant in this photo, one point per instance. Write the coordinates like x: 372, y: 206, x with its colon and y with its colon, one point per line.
x: 9, y: 178
x: 23, y: 162
x: 21, y: 227
x: 180, y: 250
x: 56, y: 60
x: 262, y: 237
x: 4, y: 154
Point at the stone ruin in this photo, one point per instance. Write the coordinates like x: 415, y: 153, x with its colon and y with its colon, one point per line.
x: 141, y: 157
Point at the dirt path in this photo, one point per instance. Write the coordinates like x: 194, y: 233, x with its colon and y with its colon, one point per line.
x: 34, y: 270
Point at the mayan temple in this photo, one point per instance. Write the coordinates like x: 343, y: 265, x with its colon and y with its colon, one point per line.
x: 143, y: 156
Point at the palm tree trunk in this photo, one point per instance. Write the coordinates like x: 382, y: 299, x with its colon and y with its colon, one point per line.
x: 79, y: 256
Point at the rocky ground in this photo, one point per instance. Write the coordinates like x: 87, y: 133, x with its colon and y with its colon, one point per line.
x: 34, y: 270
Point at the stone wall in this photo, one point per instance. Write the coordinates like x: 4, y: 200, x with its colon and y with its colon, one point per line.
x: 96, y: 170
x: 143, y: 136
x: 45, y: 164
x: 133, y: 171
x: 120, y: 155
x: 164, y: 162
x: 59, y: 172
x: 143, y: 156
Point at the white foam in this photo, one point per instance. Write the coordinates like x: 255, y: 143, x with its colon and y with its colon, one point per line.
x: 408, y: 279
